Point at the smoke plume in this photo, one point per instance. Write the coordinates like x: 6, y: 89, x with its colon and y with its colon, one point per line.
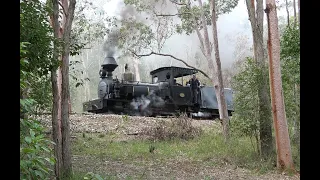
x: 126, y: 12
x: 112, y: 42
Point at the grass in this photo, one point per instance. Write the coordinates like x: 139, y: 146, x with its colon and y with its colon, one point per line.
x: 92, y: 176
x: 178, y: 143
x: 208, y: 148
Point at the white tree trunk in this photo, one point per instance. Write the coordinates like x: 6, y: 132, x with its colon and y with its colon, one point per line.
x: 136, y: 69
x: 222, y: 104
x: 215, y: 67
x: 294, y: 11
x: 288, y: 15
x: 85, y: 75
x: 299, y: 11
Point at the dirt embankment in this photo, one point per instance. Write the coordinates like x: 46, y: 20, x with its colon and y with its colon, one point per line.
x: 100, y: 123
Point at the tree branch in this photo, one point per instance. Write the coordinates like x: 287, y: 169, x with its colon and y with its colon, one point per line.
x: 169, y: 55
x: 180, y: 4
x: 166, y: 15
x: 177, y: 14
x: 69, y: 20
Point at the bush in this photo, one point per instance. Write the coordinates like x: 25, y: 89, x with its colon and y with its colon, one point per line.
x: 180, y: 128
x: 35, y: 152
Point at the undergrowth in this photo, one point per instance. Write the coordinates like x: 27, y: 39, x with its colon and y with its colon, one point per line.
x: 175, y: 140
x: 176, y: 128
x: 207, y: 148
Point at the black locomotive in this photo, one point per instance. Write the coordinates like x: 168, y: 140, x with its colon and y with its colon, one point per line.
x: 164, y: 96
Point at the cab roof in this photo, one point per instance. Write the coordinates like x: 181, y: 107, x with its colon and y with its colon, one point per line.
x: 177, y: 71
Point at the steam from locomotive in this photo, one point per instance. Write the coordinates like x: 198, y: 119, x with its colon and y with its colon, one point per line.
x: 142, y: 104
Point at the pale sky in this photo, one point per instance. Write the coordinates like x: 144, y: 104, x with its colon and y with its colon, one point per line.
x: 229, y: 25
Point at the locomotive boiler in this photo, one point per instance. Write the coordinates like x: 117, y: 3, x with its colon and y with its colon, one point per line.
x: 164, y: 96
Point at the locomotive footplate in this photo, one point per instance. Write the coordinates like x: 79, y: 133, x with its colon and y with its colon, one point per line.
x: 93, y: 105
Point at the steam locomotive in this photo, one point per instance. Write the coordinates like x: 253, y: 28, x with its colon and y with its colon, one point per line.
x: 164, y: 96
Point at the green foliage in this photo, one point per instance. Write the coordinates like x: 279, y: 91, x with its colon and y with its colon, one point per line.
x: 290, y: 69
x: 37, y: 53
x: 36, y: 156
x: 191, y: 18
x: 142, y: 29
x: 23, y: 64
x: 42, y: 93
x: 141, y: 5
x: 245, y: 84
x: 27, y: 105
x: 87, y: 26
x: 191, y: 15
x: 35, y: 29
x: 225, y: 6
x: 135, y: 35
x: 245, y: 120
x: 35, y: 151
x: 290, y: 54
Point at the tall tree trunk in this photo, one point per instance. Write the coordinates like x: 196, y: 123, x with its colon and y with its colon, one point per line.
x: 222, y: 104
x: 288, y: 15
x: 256, y: 20
x: 56, y: 91
x: 297, y: 118
x: 85, y: 75
x: 66, y: 152
x: 216, y: 78
x: 294, y: 12
x: 299, y: 12
x: 69, y: 104
x: 284, y: 156
x: 56, y: 125
x: 136, y: 68
x: 65, y: 5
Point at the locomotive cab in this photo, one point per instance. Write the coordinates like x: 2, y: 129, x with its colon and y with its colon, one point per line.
x: 180, y: 95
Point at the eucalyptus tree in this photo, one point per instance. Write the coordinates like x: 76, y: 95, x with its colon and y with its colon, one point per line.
x: 284, y: 156
x: 61, y: 94
x: 256, y: 14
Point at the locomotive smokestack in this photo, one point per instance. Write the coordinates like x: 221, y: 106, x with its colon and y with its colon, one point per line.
x: 109, y: 64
